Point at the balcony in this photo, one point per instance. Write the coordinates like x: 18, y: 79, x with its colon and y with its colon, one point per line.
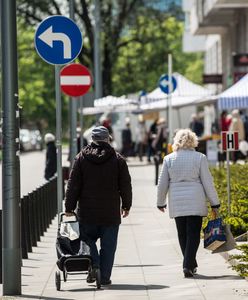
x: 213, y: 6
x: 212, y: 16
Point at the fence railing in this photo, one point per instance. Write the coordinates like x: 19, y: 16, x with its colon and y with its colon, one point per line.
x: 38, y: 209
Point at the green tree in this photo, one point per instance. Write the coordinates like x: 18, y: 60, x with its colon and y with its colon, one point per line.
x: 135, y: 41
x: 118, y: 17
x: 145, y: 58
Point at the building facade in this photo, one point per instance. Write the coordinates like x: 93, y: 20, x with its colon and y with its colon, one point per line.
x: 223, y: 24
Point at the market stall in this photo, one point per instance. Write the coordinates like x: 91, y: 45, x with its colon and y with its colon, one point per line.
x: 236, y: 96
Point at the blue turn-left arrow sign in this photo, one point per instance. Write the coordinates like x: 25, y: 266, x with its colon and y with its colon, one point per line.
x: 164, y: 84
x: 58, y: 40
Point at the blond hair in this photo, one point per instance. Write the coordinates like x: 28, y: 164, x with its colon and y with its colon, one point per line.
x: 184, y: 139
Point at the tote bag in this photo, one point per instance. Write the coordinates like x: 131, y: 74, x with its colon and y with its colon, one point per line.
x: 230, y: 242
x: 214, y: 234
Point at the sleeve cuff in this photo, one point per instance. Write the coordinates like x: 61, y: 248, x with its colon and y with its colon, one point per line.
x: 215, y: 206
x: 164, y: 206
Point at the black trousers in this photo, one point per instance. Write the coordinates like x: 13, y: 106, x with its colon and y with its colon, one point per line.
x: 189, y: 229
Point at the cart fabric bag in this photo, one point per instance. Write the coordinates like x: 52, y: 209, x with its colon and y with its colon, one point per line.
x: 230, y: 242
x: 214, y: 234
x: 69, y: 230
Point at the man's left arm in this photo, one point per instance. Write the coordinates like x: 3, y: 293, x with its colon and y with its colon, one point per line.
x: 73, y: 186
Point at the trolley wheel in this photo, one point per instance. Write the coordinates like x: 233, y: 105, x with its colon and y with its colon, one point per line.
x: 57, y: 280
x: 98, y: 279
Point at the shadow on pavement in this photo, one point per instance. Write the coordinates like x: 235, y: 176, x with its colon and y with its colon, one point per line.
x: 41, y: 297
x: 92, y: 289
x: 221, y: 277
x: 131, y: 287
x: 136, y: 287
x: 136, y: 266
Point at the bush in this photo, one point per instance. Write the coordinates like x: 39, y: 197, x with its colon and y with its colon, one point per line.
x: 238, y: 218
x: 242, y: 266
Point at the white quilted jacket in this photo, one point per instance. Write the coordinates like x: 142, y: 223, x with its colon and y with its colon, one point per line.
x: 186, y: 177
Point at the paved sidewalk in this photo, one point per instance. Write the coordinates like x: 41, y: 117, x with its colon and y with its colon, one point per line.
x: 148, y: 261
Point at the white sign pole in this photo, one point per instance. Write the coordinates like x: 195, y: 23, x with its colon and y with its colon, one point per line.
x: 228, y: 182
x: 169, y: 98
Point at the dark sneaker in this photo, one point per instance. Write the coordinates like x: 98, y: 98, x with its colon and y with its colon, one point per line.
x: 187, y: 273
x: 91, y: 276
x: 106, y: 282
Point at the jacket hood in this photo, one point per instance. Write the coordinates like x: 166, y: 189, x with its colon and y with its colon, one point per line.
x: 98, y: 153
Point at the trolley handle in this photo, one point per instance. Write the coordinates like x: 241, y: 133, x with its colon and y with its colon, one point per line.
x: 61, y: 215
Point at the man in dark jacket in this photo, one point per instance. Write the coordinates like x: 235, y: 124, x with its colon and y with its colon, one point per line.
x: 51, y: 156
x: 100, y: 187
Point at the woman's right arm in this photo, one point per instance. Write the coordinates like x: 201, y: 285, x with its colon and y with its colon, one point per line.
x: 163, y: 185
x: 208, y: 184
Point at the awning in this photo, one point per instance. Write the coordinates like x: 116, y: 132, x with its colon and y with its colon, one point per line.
x: 112, y: 101
x: 236, y: 96
x: 186, y: 93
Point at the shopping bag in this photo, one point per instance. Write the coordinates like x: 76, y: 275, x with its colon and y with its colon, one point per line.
x: 214, y: 235
x: 69, y: 230
x: 230, y: 242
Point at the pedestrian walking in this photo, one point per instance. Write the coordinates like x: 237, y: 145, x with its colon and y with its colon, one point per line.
x: 185, y: 176
x: 225, y: 121
x: 51, y: 156
x: 237, y: 125
x: 151, y: 136
x: 126, y: 138
x: 141, y: 137
x: 100, y: 187
x: 159, y: 143
x: 196, y: 125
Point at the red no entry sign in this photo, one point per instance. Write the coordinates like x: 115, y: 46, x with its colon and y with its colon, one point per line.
x: 75, y: 80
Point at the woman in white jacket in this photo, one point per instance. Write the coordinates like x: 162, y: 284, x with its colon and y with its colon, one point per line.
x: 185, y: 176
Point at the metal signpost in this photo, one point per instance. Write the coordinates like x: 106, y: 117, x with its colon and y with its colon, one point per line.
x: 11, y: 240
x: 72, y: 108
x: 58, y: 41
x: 229, y: 142
x: 168, y: 84
x: 97, y: 51
x: 75, y: 81
x: 81, y: 121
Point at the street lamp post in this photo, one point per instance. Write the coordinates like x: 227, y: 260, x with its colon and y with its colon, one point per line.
x: 97, y: 53
x: 11, y: 150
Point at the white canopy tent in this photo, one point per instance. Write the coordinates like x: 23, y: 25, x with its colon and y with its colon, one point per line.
x: 184, y: 100
x: 186, y: 93
x: 111, y: 103
x: 236, y: 96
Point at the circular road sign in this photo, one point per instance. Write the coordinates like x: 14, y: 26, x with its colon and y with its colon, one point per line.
x: 58, y: 40
x: 75, y: 80
x: 164, y: 84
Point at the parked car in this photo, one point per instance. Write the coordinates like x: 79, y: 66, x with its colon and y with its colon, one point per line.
x: 30, y: 140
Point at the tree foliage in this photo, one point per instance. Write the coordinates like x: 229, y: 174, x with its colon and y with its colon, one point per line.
x: 135, y: 41
x: 145, y: 55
